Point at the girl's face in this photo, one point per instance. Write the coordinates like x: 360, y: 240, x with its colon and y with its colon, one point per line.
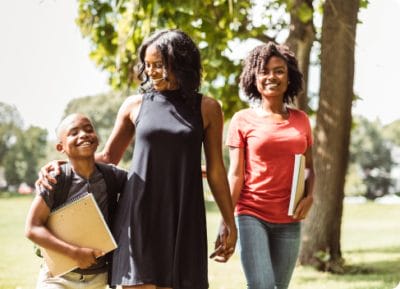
x: 154, y: 68
x: 272, y: 80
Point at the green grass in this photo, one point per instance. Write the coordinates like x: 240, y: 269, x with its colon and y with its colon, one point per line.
x: 370, y: 245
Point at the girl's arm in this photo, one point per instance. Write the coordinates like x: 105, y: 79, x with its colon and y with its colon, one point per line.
x: 305, y: 204
x: 236, y: 172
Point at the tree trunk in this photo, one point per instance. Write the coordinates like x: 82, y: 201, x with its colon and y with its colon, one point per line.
x: 300, y: 41
x: 321, y: 231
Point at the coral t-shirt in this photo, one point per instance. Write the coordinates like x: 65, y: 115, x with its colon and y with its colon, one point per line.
x: 269, y: 149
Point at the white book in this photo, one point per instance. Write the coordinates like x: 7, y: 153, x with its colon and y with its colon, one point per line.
x: 298, y: 182
x: 80, y: 223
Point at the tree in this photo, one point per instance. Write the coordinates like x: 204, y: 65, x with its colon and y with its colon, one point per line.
x: 321, y: 236
x: 10, y: 121
x: 301, y: 39
x: 372, y: 153
x: 391, y: 132
x: 116, y: 30
x: 21, y: 163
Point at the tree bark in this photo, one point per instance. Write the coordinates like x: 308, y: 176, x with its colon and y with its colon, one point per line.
x: 300, y: 41
x: 322, y: 228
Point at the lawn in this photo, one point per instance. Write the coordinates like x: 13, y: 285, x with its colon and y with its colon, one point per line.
x: 370, y: 245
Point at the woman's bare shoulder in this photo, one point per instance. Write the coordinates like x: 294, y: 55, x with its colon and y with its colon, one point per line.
x: 210, y: 104
x: 211, y: 111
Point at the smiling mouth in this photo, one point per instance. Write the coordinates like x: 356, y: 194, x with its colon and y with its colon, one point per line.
x: 156, y: 80
x: 85, y: 144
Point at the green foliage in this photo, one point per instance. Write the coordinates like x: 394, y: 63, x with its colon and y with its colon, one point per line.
x: 21, y: 163
x: 116, y: 29
x: 20, y: 149
x: 391, y: 132
x: 371, y: 152
x: 10, y: 122
x: 354, y: 185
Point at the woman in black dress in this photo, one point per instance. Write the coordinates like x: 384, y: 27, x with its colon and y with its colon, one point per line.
x: 160, y: 223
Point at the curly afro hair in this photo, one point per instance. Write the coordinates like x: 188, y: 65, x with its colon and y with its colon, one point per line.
x: 258, y: 58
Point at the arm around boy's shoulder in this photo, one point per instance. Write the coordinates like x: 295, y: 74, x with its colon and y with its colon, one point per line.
x: 58, y: 195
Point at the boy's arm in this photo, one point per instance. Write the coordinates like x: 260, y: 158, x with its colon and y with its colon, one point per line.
x: 36, y: 231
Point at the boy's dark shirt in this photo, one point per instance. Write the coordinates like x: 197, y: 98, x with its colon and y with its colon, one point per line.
x: 80, y: 187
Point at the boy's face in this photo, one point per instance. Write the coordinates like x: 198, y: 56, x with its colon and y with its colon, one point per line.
x: 77, y: 137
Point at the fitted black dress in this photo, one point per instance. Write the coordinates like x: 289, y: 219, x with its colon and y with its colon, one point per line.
x: 160, y: 223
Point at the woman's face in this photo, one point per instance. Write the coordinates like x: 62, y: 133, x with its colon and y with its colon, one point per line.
x: 272, y: 80
x: 154, y: 68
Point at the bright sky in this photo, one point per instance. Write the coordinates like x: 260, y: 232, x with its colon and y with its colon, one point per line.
x: 44, y: 61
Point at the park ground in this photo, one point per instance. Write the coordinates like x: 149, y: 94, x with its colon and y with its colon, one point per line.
x: 370, y: 245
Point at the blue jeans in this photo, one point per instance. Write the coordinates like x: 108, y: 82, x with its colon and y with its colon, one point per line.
x: 268, y: 252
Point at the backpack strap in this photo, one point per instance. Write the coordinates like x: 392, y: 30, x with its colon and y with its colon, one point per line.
x: 61, y: 189
x: 113, y: 189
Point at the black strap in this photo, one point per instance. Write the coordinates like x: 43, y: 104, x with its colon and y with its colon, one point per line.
x: 113, y: 189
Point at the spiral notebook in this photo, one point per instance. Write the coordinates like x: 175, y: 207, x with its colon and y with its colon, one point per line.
x: 80, y: 223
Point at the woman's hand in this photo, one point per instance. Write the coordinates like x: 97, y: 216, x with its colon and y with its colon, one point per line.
x: 225, y: 243
x: 303, y: 207
x: 45, y: 179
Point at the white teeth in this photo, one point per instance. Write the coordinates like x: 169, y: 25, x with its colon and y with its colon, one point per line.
x: 157, y: 79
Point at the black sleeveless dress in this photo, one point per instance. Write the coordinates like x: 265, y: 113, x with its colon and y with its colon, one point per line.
x: 160, y: 224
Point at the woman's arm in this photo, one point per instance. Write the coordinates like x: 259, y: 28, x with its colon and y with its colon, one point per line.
x: 216, y: 176
x: 305, y: 204
x: 114, y: 148
x: 123, y: 131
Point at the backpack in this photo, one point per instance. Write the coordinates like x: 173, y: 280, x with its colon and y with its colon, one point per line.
x: 64, y: 182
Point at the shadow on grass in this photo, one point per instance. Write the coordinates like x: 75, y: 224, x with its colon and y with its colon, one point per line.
x: 392, y: 249
x: 358, y: 274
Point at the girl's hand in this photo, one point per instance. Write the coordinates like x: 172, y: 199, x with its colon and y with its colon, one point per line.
x: 303, y: 207
x: 225, y: 243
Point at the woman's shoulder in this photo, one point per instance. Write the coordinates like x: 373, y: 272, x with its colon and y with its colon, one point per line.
x: 132, y: 102
x: 134, y: 99
x: 210, y: 105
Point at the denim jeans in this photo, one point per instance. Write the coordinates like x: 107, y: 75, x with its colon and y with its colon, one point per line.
x: 268, y: 252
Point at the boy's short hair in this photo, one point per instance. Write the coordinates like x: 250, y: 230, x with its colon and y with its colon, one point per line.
x: 61, y: 126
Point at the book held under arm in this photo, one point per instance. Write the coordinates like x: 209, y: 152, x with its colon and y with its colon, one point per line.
x: 298, y: 182
x: 80, y: 223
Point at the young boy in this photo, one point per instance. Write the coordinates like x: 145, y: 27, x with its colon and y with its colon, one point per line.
x: 77, y: 138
